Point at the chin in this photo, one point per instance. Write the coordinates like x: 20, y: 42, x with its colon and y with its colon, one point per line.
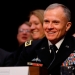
x: 51, y: 38
x: 35, y: 38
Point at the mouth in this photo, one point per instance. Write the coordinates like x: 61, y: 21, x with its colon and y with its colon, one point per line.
x: 51, y: 32
x: 24, y: 37
x: 34, y: 32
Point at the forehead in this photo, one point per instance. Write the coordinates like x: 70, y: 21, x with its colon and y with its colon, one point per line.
x: 24, y: 26
x: 55, y: 12
x: 33, y: 18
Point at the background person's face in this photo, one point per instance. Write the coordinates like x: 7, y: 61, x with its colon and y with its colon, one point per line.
x: 36, y: 27
x: 74, y: 34
x: 23, y: 33
x: 55, y: 24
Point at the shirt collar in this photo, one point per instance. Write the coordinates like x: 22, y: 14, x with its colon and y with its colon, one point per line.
x: 57, y: 44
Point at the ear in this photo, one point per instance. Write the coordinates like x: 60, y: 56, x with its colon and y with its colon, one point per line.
x: 68, y: 26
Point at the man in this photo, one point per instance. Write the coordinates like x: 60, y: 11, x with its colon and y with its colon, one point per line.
x: 56, y: 25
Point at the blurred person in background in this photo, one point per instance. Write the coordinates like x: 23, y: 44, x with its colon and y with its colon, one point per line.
x: 36, y: 27
x: 36, y: 24
x: 74, y: 34
x: 23, y: 35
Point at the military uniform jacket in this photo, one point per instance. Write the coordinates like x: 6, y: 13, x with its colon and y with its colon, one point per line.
x: 6, y: 58
x: 40, y: 49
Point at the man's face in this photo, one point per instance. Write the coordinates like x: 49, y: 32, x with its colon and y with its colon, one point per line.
x: 55, y: 24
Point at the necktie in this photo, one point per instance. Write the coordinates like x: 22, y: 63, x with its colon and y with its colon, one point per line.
x: 53, y: 48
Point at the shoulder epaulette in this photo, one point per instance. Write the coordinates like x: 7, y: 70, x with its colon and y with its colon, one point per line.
x: 28, y: 43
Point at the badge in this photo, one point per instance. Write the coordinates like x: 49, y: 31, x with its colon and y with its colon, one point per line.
x: 36, y: 59
x: 28, y: 43
x: 67, y: 46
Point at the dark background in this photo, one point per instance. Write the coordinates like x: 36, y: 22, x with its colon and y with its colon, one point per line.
x: 14, y: 13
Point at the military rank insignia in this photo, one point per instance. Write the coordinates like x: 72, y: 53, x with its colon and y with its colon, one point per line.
x: 28, y: 43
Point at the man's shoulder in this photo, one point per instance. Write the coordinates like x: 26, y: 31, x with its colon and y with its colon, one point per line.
x: 34, y: 42
x: 70, y: 40
x: 28, y: 43
x: 73, y: 39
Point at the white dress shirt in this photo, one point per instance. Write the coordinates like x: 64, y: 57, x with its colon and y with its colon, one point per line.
x: 57, y: 44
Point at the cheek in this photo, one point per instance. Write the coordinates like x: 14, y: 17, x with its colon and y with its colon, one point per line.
x: 40, y: 27
x: 29, y: 34
x: 19, y: 36
x: 44, y: 27
x: 60, y: 28
x: 61, y: 32
x: 63, y: 29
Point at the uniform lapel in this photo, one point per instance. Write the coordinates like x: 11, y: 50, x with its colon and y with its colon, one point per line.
x: 44, y: 53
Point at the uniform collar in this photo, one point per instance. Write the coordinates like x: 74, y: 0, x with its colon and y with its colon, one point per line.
x: 57, y: 44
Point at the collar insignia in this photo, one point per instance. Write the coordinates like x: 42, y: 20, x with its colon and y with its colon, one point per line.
x: 28, y: 43
x: 67, y: 46
x: 43, y: 48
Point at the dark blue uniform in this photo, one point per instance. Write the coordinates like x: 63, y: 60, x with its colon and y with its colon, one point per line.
x: 6, y: 58
x: 38, y: 51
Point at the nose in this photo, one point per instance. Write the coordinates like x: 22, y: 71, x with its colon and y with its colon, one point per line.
x: 32, y: 26
x: 50, y: 26
x: 24, y: 32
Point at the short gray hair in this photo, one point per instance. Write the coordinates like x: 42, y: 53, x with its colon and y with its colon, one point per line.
x: 66, y: 10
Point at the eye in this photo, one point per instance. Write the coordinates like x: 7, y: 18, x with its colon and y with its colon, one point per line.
x: 21, y: 30
x: 36, y: 23
x: 24, y: 30
x: 55, y: 21
x: 46, y: 21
